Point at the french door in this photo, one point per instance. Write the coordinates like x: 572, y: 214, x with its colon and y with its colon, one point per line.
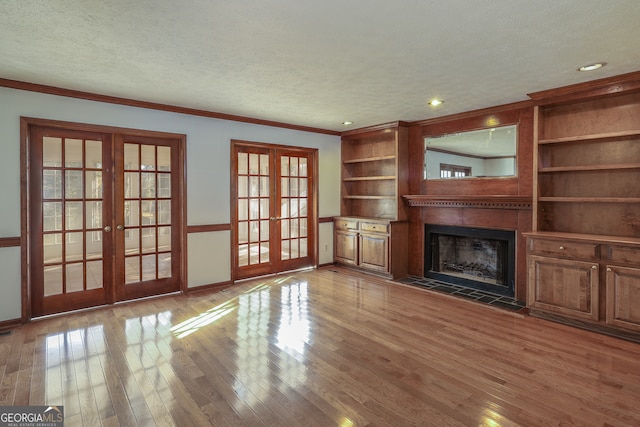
x: 273, y: 208
x: 104, y: 218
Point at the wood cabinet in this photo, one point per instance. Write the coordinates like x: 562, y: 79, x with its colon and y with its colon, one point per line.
x: 623, y: 297
x: 585, y: 277
x: 346, y: 240
x: 371, y: 232
x: 622, y: 272
x: 366, y: 243
x: 583, y: 256
x: 374, y: 252
x: 562, y: 283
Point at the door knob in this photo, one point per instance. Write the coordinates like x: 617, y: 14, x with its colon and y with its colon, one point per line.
x: 107, y: 228
x: 120, y: 227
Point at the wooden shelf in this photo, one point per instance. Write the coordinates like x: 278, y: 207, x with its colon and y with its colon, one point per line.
x: 369, y: 159
x: 592, y: 137
x: 371, y: 178
x: 584, y: 237
x: 589, y: 168
x: 590, y: 199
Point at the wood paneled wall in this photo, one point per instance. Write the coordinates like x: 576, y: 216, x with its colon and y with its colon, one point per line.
x: 499, y: 218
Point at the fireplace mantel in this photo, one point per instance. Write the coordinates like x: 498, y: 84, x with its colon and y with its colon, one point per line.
x: 464, y: 201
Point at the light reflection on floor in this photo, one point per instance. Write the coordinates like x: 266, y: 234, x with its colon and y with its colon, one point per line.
x: 83, y: 356
x: 69, y: 358
x: 255, y: 371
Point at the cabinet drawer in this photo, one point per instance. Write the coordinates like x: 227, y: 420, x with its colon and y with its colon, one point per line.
x: 374, y: 227
x: 623, y: 254
x: 346, y: 224
x: 586, y: 251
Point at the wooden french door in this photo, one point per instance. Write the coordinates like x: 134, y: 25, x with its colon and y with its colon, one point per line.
x: 147, y: 217
x: 104, y: 218
x: 273, y: 208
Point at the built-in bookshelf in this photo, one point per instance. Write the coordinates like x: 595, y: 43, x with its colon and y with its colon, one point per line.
x: 371, y: 233
x: 373, y: 177
x: 584, y: 253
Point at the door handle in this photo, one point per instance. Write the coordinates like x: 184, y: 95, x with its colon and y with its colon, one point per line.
x: 107, y: 228
x: 120, y: 227
x: 274, y: 218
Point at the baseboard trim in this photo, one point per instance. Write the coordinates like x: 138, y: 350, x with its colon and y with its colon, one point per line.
x: 597, y: 328
x: 9, y: 324
x: 209, y: 287
x: 328, y: 264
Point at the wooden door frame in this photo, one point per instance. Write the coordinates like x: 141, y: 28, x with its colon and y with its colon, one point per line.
x: 25, y: 197
x: 313, y: 197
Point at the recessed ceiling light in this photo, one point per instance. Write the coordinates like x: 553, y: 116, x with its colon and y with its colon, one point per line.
x: 592, y: 67
x: 347, y: 123
x: 436, y: 102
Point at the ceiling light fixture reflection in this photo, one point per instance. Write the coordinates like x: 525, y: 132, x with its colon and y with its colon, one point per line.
x: 436, y: 102
x: 592, y: 67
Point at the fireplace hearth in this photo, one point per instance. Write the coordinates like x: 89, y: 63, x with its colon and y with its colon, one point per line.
x: 477, y: 258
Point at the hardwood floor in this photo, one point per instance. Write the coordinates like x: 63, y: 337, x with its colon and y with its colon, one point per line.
x: 328, y: 348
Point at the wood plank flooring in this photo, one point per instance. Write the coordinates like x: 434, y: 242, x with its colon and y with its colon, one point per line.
x: 329, y: 347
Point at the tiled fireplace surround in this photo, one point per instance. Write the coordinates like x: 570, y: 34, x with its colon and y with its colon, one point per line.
x: 493, y: 212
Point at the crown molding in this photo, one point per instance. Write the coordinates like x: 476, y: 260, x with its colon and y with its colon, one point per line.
x: 71, y: 93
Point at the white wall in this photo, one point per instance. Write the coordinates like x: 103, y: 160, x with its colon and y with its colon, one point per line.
x: 208, y: 176
x: 500, y: 167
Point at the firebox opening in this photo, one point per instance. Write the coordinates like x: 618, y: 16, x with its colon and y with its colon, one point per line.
x: 477, y: 258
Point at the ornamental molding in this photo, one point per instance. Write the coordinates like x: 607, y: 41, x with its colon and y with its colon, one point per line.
x: 478, y: 202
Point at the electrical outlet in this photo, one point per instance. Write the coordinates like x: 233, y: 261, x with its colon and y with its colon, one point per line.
x: 326, y: 248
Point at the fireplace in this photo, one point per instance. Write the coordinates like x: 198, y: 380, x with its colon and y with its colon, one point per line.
x: 478, y: 258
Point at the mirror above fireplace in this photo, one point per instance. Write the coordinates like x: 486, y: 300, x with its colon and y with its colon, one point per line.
x: 479, y: 153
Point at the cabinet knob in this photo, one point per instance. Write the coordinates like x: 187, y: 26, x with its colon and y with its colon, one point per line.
x: 562, y: 248
x: 609, y: 269
x: 594, y: 267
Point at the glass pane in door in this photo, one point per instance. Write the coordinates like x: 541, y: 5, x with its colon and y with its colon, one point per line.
x: 253, y: 206
x: 72, y: 215
x: 294, y: 192
x: 147, y: 212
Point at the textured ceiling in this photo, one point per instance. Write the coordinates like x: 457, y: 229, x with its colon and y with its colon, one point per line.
x: 318, y: 63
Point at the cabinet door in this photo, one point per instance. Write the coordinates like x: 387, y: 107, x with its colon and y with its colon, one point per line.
x: 374, y: 252
x: 623, y: 297
x: 564, y: 287
x: 346, y: 250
